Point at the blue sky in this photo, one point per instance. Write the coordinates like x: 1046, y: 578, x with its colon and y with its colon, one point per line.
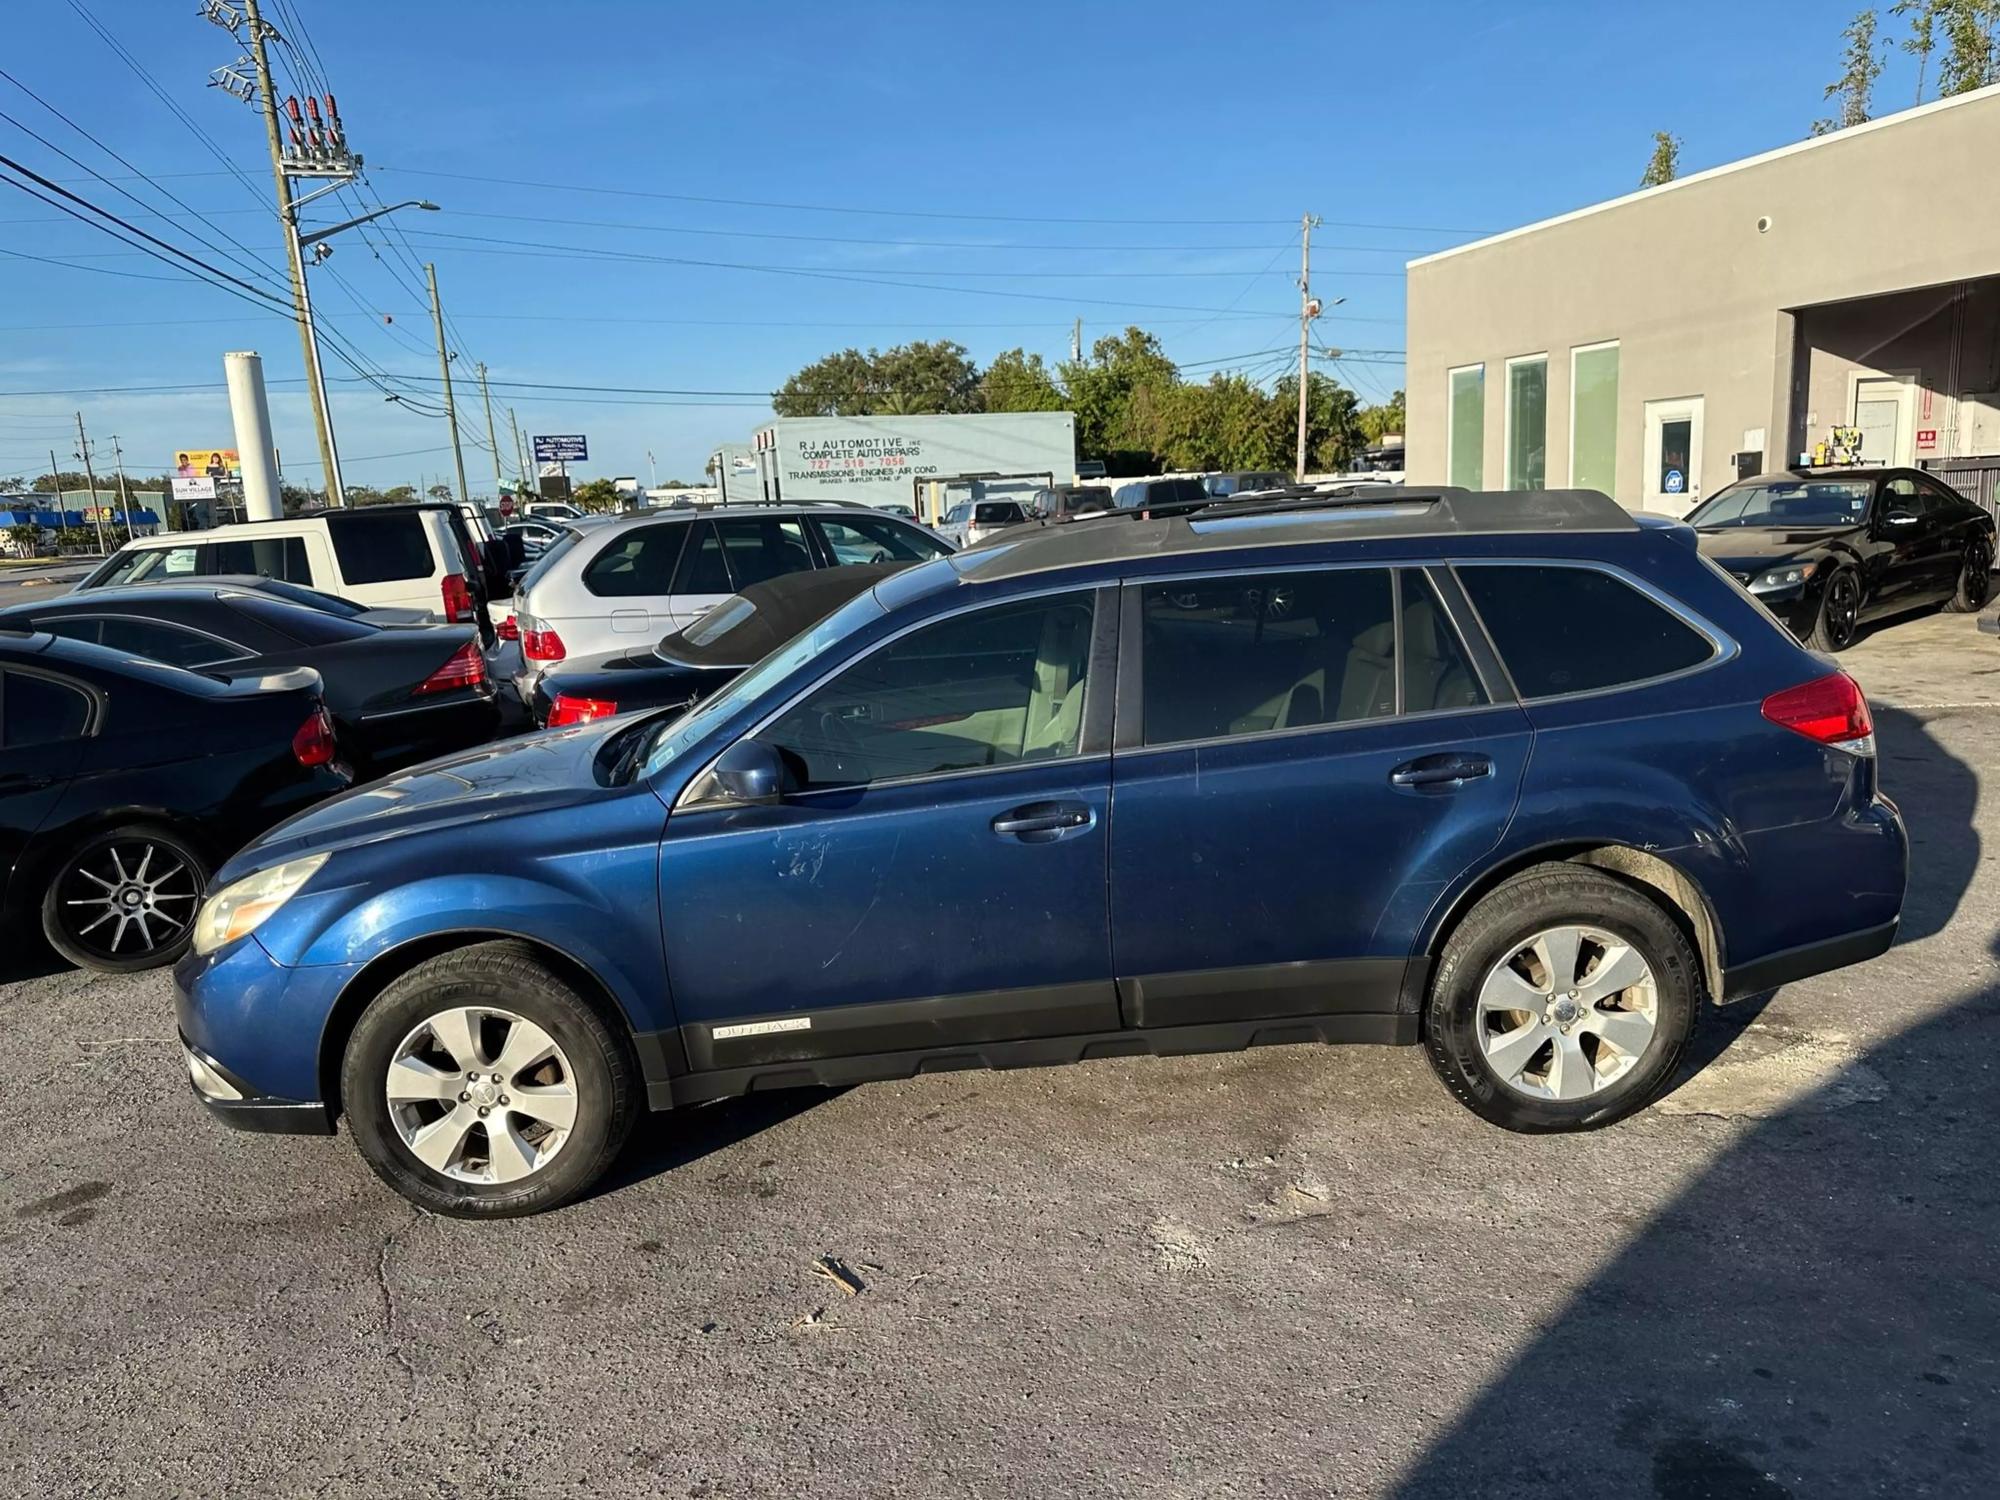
x: 922, y: 148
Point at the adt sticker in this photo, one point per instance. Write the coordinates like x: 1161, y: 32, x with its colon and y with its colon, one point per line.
x: 1675, y: 483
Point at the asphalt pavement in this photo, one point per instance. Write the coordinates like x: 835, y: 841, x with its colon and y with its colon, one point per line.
x: 1293, y: 1271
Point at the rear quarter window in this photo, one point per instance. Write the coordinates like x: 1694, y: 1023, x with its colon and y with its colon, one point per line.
x: 1576, y: 630
x: 300, y: 622
x: 391, y: 548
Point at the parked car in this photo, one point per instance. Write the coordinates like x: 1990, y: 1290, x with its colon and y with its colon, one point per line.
x: 408, y: 556
x: 398, y: 693
x: 1224, y: 485
x: 1065, y: 502
x: 688, y: 665
x: 1142, y: 494
x: 1515, y: 776
x: 552, y: 510
x: 634, y: 579
x: 124, y: 783
x: 972, y: 521
x: 1827, y: 550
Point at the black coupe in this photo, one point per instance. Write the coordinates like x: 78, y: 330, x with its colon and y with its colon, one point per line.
x: 690, y: 664
x: 1827, y: 549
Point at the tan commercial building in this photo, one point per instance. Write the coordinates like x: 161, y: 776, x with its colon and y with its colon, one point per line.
x: 1659, y: 345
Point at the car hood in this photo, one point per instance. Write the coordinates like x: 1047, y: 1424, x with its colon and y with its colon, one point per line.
x: 533, y: 773
x: 1746, y: 548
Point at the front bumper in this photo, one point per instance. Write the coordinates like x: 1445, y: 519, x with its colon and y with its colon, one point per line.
x: 240, y: 1107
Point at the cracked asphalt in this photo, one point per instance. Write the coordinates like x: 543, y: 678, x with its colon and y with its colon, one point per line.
x: 1292, y: 1271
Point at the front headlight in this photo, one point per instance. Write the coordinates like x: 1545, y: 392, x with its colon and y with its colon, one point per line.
x: 1783, y: 578
x: 238, y: 909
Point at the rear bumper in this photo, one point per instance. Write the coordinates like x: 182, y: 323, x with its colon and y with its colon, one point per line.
x: 1803, y: 962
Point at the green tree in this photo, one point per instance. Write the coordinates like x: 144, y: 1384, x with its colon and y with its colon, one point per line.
x: 26, y: 537
x: 1972, y: 48
x: 596, y: 494
x: 908, y: 380
x: 1666, y: 163
x: 1922, y: 40
x: 65, y: 480
x: 1019, y: 381
x: 402, y: 494
x: 1120, y: 397
x: 1861, y: 65
x: 1333, y: 425
x: 12, y: 484
x: 440, y: 492
x: 1378, y: 421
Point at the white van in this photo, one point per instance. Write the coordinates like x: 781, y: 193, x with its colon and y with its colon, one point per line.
x: 399, y: 556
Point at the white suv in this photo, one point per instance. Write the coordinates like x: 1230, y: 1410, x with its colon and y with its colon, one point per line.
x: 625, y: 582
x: 410, y: 557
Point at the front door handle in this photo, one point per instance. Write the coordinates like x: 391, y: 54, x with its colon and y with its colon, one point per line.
x: 1039, y: 822
x: 1440, y: 772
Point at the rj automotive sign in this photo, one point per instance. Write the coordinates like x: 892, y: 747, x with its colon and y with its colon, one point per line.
x: 562, y: 448
x: 879, y: 460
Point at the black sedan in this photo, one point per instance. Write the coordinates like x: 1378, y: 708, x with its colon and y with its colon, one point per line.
x: 690, y: 664
x: 398, y: 693
x: 124, y: 784
x: 1828, y: 549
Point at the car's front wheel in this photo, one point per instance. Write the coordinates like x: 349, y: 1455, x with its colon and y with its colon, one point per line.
x: 125, y: 901
x: 1562, y: 1002
x: 1839, y: 613
x: 483, y: 1086
x: 1975, y: 580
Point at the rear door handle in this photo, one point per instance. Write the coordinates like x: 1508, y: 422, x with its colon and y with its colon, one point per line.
x: 1440, y: 772
x: 1039, y: 822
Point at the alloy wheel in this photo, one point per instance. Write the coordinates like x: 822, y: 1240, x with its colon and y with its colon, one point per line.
x: 127, y: 898
x: 1567, y: 1013
x: 1977, y: 583
x: 481, y: 1095
x: 1843, y: 610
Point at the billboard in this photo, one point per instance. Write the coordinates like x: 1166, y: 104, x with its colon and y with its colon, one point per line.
x: 562, y: 448
x: 193, y: 489
x: 207, y: 463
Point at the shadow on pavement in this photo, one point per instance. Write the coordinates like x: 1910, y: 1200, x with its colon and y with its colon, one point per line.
x: 1818, y: 1313
x: 677, y: 1138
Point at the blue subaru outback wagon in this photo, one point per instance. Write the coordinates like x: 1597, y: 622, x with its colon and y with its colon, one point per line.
x: 1516, y: 777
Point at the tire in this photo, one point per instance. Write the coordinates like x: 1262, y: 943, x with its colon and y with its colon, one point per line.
x: 1839, y: 617
x: 125, y: 901
x: 1974, y: 589
x: 474, y: 1174
x: 1466, y: 1040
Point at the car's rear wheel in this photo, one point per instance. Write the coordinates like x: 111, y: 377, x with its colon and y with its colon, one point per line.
x: 1975, y: 580
x: 1839, y: 613
x: 482, y: 1085
x: 125, y: 901
x: 1563, y: 1001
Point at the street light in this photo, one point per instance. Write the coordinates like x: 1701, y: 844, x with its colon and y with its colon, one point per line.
x: 336, y: 486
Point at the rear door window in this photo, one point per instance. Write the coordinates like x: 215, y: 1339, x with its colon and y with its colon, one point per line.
x: 40, y: 711
x: 703, y: 568
x: 762, y: 547
x: 638, y: 564
x: 281, y: 557
x: 1265, y: 651
x: 387, y: 548
x: 871, y: 539
x: 1575, y: 630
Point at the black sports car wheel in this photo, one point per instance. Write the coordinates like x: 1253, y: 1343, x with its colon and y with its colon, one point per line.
x: 1975, y: 579
x: 125, y: 901
x: 1839, y: 613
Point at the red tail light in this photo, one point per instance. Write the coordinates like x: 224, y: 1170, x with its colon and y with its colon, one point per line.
x: 457, y: 598
x: 466, y: 668
x: 542, y: 645
x: 568, y: 710
x: 313, y: 744
x: 1829, y: 710
x: 509, y: 628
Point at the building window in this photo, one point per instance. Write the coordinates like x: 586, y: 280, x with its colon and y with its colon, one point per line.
x: 1593, y: 417
x: 1527, y: 422
x: 1465, y: 433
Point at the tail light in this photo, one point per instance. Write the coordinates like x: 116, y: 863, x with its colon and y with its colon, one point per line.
x: 466, y: 668
x: 541, y: 644
x: 570, y: 710
x: 313, y: 744
x: 457, y: 598
x: 1828, y: 710
x: 509, y: 628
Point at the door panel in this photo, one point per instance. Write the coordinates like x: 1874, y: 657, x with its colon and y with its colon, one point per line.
x: 892, y: 917
x: 42, y: 750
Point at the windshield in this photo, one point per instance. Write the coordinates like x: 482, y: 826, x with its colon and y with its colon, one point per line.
x: 1788, y: 502
x: 673, y: 737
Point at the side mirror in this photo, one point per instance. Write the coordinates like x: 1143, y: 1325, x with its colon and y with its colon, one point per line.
x: 750, y: 771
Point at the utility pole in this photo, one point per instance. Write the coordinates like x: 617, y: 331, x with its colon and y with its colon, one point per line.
x: 1308, y: 310
x: 492, y: 438
x: 90, y: 478
x: 520, y: 453
x: 1076, y: 342
x: 652, y: 471
x: 444, y: 364
x: 124, y: 490
x: 288, y: 216
x: 55, y: 478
